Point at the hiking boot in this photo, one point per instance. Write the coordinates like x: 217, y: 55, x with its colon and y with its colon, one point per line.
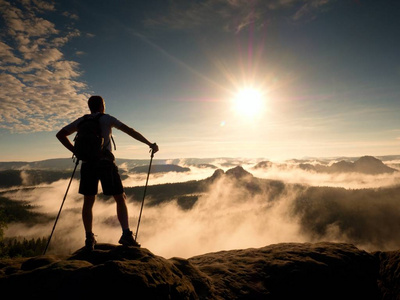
x: 90, y: 242
x: 128, y: 240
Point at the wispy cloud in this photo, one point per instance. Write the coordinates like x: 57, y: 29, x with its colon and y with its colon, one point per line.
x: 40, y: 88
x: 234, y: 15
x: 230, y: 15
x: 309, y: 10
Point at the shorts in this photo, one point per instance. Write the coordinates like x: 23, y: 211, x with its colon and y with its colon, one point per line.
x: 105, y: 171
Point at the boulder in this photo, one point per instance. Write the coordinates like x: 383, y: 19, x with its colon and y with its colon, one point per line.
x: 280, y: 271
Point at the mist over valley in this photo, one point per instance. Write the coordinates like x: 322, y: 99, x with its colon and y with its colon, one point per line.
x: 195, y: 206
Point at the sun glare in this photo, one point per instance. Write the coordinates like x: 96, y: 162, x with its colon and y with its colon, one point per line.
x: 249, y: 102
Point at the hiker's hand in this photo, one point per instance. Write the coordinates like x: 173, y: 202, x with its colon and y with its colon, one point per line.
x: 154, y: 147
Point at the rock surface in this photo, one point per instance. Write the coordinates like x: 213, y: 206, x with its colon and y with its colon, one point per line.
x: 280, y: 271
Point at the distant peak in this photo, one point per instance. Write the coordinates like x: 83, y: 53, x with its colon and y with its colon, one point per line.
x: 371, y: 165
x: 217, y: 173
x: 263, y: 165
x: 238, y: 172
x: 369, y: 159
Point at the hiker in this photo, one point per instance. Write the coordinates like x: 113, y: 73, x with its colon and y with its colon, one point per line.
x: 102, y: 167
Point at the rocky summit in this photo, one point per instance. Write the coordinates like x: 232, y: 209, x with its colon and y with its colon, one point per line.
x: 280, y: 271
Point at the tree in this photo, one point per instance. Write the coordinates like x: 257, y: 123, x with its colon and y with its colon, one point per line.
x: 3, y: 224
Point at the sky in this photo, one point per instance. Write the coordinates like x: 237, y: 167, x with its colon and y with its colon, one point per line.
x: 274, y: 79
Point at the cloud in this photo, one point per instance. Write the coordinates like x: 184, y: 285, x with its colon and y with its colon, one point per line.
x: 219, y: 14
x: 234, y: 15
x: 36, y: 78
x: 310, y: 10
x: 41, y: 5
x: 70, y: 15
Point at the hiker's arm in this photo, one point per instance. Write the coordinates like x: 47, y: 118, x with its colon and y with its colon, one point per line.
x: 138, y: 136
x: 62, y: 136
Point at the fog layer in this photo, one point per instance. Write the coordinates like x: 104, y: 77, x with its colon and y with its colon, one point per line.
x: 236, y: 210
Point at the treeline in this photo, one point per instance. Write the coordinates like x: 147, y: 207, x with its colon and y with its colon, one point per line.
x: 10, y: 178
x: 14, y: 247
x: 160, y: 193
x: 362, y: 217
x: 19, y: 211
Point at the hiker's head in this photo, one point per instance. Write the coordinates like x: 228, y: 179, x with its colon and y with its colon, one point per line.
x: 96, y: 104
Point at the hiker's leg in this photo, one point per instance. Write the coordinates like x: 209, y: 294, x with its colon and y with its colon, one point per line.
x: 122, y: 210
x: 87, y: 212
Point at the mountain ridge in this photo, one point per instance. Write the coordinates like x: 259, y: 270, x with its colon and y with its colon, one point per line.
x: 364, y: 165
x: 68, y: 164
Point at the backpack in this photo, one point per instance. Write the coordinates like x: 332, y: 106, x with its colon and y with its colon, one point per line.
x: 88, y: 144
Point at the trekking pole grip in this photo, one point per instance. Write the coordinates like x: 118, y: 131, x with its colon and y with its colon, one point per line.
x: 152, y: 149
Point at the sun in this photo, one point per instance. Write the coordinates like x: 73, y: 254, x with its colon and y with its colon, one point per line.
x: 249, y: 102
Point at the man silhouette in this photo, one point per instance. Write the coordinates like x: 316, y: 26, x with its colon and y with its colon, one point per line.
x: 103, y: 170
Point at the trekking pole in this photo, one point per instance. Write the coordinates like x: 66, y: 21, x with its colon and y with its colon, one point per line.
x: 144, y: 193
x: 62, y: 204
